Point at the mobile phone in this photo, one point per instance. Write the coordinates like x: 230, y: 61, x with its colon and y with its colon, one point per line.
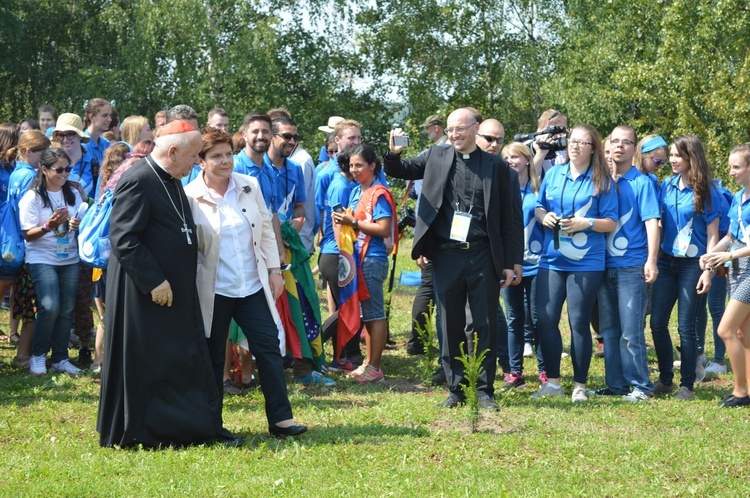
x: 402, y: 141
x: 286, y: 267
x: 338, y: 208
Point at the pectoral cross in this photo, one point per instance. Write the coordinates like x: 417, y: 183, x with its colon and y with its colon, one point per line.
x: 187, y: 231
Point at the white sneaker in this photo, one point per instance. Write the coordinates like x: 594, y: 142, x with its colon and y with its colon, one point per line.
x: 716, y: 368
x: 635, y: 397
x: 67, y: 367
x: 579, y: 395
x: 700, y: 371
x: 564, y: 355
x: 677, y: 364
x: 528, y: 350
x: 38, y: 365
x: 547, y: 391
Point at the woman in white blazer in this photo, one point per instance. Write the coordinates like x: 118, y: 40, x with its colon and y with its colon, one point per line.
x: 238, y: 272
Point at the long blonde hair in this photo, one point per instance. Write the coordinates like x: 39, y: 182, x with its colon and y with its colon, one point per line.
x: 131, y: 129
x: 523, y: 150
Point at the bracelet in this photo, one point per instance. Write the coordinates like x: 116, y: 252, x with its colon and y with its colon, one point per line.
x: 355, y: 224
x: 731, y: 254
x: 46, y: 228
x: 274, y: 272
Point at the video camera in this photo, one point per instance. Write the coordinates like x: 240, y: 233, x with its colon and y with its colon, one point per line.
x: 407, y: 218
x: 532, y: 139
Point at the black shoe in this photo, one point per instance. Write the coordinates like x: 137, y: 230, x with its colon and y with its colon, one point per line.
x: 487, y: 403
x: 252, y: 385
x: 229, y: 440
x: 231, y: 388
x: 292, y: 430
x: 452, y: 401
x: 605, y: 391
x: 732, y: 401
x: 438, y: 378
x: 84, y: 358
x: 414, y: 349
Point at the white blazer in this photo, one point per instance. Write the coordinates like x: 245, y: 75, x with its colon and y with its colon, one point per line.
x: 206, y: 216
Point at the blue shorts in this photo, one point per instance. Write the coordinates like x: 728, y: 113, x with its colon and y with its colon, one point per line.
x: 375, y: 271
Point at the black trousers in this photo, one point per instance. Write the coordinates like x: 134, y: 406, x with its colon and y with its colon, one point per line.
x: 420, y: 308
x: 462, y: 276
x: 254, y: 318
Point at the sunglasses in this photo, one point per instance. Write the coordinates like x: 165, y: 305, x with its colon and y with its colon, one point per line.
x: 288, y: 137
x: 331, y: 152
x: 61, y: 170
x: 659, y: 162
x: 67, y: 136
x: 490, y: 139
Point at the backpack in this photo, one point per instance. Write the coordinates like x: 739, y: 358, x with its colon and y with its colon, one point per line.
x: 12, y: 244
x: 94, y: 247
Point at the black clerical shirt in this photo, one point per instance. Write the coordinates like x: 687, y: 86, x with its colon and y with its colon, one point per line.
x: 465, y: 187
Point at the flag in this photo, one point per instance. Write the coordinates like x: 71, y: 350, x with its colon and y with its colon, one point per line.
x: 349, y: 321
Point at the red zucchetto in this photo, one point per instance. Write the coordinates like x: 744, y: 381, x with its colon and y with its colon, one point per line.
x: 175, y: 127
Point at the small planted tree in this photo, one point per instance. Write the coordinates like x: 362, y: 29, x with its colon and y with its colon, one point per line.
x: 472, y: 370
x: 428, y: 337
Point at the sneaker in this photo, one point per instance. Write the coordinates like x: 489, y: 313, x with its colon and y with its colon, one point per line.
x: 579, y: 395
x: 684, y: 394
x: 603, y: 391
x: 677, y: 363
x: 487, y: 403
x: 700, y: 371
x: 542, y: 377
x: 95, y: 370
x: 733, y: 401
x: 599, y: 353
x: 452, y: 401
x: 315, y: 378
x: 564, y: 355
x: 635, y: 397
x: 340, y: 366
x: 528, y: 350
x: 514, y: 380
x: 716, y: 368
x: 231, y: 388
x: 370, y: 374
x: 357, y: 371
x: 67, y: 367
x: 38, y: 365
x: 547, y: 391
x: 661, y: 388
x: 438, y: 377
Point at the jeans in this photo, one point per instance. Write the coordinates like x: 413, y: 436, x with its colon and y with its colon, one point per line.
x: 676, y: 283
x: 579, y: 289
x: 520, y: 304
x: 622, y: 310
x: 717, y: 301
x: 55, y: 297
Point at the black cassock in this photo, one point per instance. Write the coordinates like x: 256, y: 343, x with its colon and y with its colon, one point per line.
x: 157, y: 381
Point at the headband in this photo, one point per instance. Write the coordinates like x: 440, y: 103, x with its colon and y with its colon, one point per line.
x: 653, y: 144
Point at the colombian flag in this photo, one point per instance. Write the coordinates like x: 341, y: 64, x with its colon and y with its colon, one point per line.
x: 349, y: 321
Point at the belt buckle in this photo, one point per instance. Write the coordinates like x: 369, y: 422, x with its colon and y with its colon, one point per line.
x: 464, y: 245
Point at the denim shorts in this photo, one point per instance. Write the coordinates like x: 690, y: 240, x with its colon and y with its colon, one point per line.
x: 375, y: 271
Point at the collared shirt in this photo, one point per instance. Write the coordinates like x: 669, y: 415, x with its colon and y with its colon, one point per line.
x: 237, y: 271
x: 244, y: 165
x: 97, y: 148
x: 560, y: 194
x: 678, y: 215
x: 323, y: 176
x: 289, y: 186
x: 86, y: 171
x: 740, y: 210
x: 339, y: 192
x: 381, y: 209
x: 533, y: 235
x: 627, y: 245
x: 195, y: 172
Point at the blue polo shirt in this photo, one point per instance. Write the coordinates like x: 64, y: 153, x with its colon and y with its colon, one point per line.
x: 627, y: 245
x: 244, y: 165
x: 560, y: 194
x: 726, y: 201
x: 382, y: 209
x: 86, y: 171
x: 18, y: 181
x: 678, y: 215
x: 323, y: 177
x: 339, y: 192
x: 194, y: 172
x: 97, y: 149
x: 533, y: 235
x: 289, y: 186
x: 740, y: 211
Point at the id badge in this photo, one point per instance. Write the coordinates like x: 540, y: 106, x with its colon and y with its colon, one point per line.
x: 681, y: 244
x: 565, y: 237
x: 63, y: 247
x: 460, y: 226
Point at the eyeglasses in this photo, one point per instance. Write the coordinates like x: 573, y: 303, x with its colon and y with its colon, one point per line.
x: 625, y: 142
x: 61, y: 170
x: 288, y: 137
x: 490, y: 139
x: 580, y: 143
x: 659, y: 162
x: 67, y: 136
x: 459, y: 129
x: 331, y: 152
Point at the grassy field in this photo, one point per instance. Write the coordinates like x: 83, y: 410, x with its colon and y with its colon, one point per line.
x: 385, y: 440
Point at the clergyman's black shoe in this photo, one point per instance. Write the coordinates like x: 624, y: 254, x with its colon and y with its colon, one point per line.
x: 292, y: 430
x: 452, y: 401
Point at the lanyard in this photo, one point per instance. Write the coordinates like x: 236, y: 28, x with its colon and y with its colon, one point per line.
x: 741, y: 224
x: 562, y: 195
x: 674, y: 185
x: 457, y: 197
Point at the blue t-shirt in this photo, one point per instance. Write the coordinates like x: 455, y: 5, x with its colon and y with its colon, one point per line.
x: 740, y: 211
x: 533, y: 235
x: 560, y: 194
x: 323, y: 176
x: 194, y: 172
x: 678, y: 216
x: 86, y: 171
x: 289, y: 186
x: 245, y: 166
x: 726, y: 200
x: 97, y: 149
x: 382, y: 209
x: 627, y: 245
x: 5, y: 171
x: 19, y: 181
x: 339, y: 192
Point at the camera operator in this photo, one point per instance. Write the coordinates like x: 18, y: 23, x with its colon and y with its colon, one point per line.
x: 548, y: 148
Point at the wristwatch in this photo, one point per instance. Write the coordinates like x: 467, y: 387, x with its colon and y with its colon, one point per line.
x: 275, y: 271
x: 591, y: 222
x: 355, y: 224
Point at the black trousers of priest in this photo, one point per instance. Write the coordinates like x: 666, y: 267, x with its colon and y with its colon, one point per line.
x: 256, y: 321
x: 461, y: 275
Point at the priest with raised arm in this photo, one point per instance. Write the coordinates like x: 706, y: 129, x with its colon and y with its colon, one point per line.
x: 157, y: 381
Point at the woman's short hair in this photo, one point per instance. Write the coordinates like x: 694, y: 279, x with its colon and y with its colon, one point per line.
x: 211, y: 138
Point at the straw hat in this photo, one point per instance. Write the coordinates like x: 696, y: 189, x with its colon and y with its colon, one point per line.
x: 332, y: 122
x: 71, y: 122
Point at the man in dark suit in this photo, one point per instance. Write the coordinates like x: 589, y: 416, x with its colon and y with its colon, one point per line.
x: 465, y: 227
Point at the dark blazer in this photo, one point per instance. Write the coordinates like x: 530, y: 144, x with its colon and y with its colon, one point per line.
x: 434, y: 165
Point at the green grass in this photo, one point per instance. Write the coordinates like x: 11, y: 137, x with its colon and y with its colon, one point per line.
x: 385, y: 440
